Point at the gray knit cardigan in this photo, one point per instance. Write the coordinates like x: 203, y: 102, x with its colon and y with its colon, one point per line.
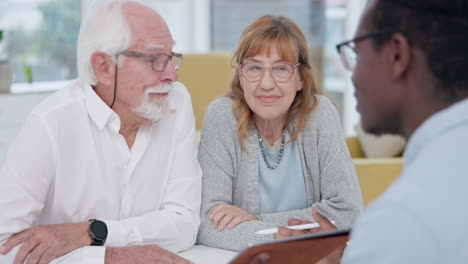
x: 230, y: 175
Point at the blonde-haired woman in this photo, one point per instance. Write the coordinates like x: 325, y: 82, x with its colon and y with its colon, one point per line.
x: 273, y: 148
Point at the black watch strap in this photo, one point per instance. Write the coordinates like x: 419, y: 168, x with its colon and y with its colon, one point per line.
x: 97, y: 232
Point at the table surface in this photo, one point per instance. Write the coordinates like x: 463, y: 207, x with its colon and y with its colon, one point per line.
x: 200, y: 254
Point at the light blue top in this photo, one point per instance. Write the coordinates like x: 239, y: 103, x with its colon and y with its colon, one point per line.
x: 282, y: 189
x: 422, y: 217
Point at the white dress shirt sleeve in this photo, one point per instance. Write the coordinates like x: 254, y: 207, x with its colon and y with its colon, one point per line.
x: 174, y: 226
x: 25, y: 179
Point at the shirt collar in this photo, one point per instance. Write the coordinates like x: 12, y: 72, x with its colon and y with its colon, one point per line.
x: 434, y: 126
x: 99, y: 112
x: 102, y: 114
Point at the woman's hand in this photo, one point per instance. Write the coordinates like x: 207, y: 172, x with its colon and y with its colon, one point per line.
x: 225, y: 215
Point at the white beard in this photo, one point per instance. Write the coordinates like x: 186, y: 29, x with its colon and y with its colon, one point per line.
x: 154, y: 109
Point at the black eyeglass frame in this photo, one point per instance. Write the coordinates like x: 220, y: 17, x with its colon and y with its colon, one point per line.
x: 352, y: 43
x: 155, y: 59
x: 152, y: 58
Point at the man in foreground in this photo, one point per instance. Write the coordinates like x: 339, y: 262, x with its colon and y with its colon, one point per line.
x: 409, y: 61
x: 116, y: 146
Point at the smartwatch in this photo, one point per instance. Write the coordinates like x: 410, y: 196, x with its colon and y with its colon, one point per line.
x: 97, y: 232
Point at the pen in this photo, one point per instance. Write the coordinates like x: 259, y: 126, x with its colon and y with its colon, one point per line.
x: 296, y: 227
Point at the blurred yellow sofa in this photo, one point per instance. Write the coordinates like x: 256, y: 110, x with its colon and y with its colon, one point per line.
x: 374, y: 174
x: 207, y: 76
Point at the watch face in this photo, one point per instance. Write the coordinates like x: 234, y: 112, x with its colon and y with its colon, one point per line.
x: 99, y: 229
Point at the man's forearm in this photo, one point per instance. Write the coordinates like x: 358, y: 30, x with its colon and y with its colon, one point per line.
x: 141, y: 254
x: 111, y: 256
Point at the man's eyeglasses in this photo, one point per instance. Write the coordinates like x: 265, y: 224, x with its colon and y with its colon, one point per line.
x: 281, y: 72
x: 159, y: 61
x: 347, y: 49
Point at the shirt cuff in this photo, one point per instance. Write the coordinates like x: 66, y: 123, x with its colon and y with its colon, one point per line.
x: 94, y: 255
x: 121, y: 234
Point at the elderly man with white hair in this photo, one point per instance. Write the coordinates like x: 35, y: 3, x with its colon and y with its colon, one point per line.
x: 105, y: 170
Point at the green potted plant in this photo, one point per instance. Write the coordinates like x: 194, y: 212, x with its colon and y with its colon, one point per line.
x: 5, y: 73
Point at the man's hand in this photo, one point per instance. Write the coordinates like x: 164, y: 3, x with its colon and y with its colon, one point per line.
x: 142, y: 254
x: 225, y: 215
x: 325, y: 225
x: 261, y: 258
x: 46, y: 242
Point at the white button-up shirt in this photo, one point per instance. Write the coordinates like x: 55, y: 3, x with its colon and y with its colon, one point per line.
x: 70, y: 164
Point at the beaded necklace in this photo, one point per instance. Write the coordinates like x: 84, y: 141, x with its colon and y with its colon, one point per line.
x: 260, y: 142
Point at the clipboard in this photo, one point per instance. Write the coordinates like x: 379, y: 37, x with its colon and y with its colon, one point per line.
x: 308, y: 248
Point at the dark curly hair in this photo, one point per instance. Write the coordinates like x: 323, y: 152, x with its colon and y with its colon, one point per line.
x: 439, y: 28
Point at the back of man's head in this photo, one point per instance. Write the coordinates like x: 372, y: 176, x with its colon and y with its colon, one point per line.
x: 103, y: 28
x: 439, y: 28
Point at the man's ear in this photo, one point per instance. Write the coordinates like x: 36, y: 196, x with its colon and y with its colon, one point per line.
x: 399, y: 55
x: 103, y: 67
